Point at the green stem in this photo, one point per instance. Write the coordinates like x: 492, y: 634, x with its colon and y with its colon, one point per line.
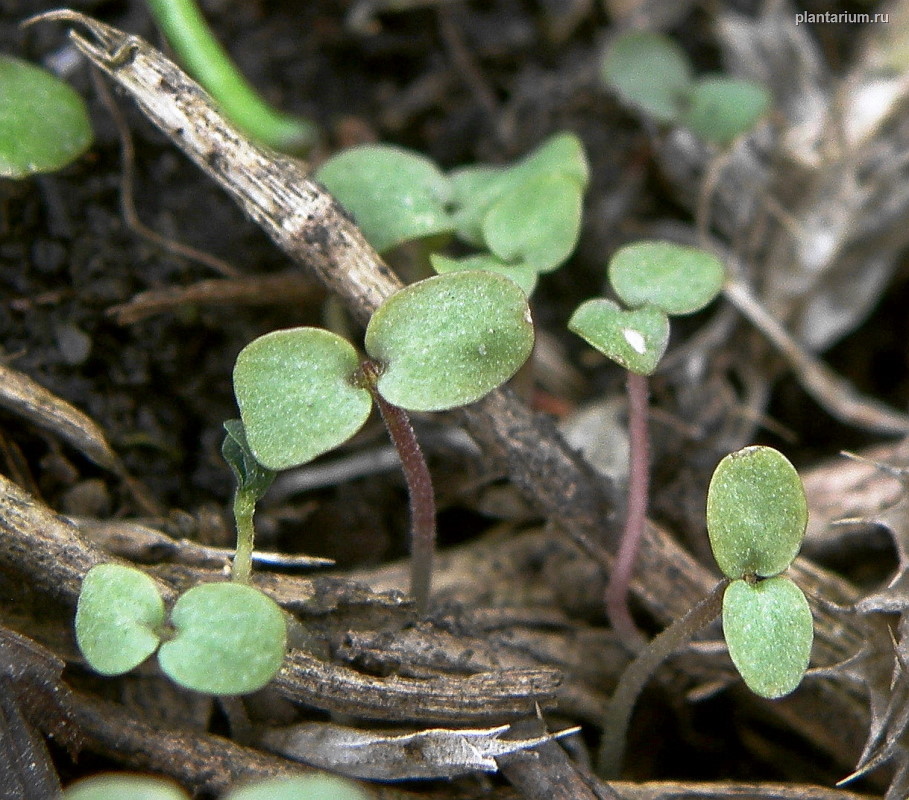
x: 244, y: 509
x: 202, y: 54
x: 641, y: 670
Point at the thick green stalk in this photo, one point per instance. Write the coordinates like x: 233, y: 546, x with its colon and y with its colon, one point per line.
x: 244, y: 509
x: 205, y: 58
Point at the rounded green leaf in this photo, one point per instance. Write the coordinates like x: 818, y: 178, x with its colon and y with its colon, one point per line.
x: 477, y: 188
x: 120, y: 786
x: 678, y: 279
x: 448, y: 340
x: 523, y: 275
x: 650, y: 71
x: 230, y: 639
x: 117, y: 618
x: 769, y: 631
x: 756, y: 512
x: 634, y: 339
x: 537, y: 224
x: 394, y: 195
x: 720, y: 109
x: 296, y: 397
x: 308, y: 787
x: 44, y: 124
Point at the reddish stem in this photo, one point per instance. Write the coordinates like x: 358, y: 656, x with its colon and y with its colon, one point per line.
x: 419, y: 485
x: 636, y: 512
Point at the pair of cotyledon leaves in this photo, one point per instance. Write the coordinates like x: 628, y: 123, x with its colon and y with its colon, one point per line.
x: 114, y: 786
x: 756, y: 518
x: 652, y: 72
x: 526, y: 218
x: 656, y: 279
x: 440, y: 343
x: 44, y: 124
x: 227, y: 638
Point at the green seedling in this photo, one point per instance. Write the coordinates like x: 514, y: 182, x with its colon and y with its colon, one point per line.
x: 225, y: 638
x: 655, y: 280
x: 651, y: 72
x: 117, y: 786
x: 525, y: 218
x: 253, y: 481
x: 437, y: 344
x: 756, y: 518
x: 205, y: 58
x: 44, y: 124
x: 309, y: 787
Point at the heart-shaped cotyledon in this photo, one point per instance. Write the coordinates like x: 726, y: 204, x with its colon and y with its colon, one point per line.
x: 633, y: 339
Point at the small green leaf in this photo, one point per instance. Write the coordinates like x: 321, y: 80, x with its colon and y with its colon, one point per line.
x: 394, y: 195
x: 523, y: 275
x: 649, y: 71
x: 296, y: 397
x: 120, y: 786
x: 537, y: 224
x: 634, y: 339
x: 117, y: 618
x: 44, y: 124
x: 448, y: 340
x: 678, y: 279
x: 251, y: 476
x: 720, y: 109
x: 769, y: 631
x: 230, y: 639
x: 476, y: 189
x: 309, y: 787
x: 756, y: 512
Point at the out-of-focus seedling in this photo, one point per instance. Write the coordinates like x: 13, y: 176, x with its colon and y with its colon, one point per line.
x: 756, y: 518
x: 119, y: 786
x: 651, y: 72
x: 44, y: 124
x: 204, y: 57
x: 655, y: 279
x: 437, y: 344
x: 308, y: 787
x: 123, y: 786
x: 524, y: 219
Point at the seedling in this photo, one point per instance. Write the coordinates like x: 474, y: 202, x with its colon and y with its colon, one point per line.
x: 437, y: 344
x: 656, y: 279
x: 756, y: 518
x: 115, y: 786
x: 204, y: 57
x: 226, y: 638
x: 43, y: 123
x: 652, y: 73
x: 525, y: 219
